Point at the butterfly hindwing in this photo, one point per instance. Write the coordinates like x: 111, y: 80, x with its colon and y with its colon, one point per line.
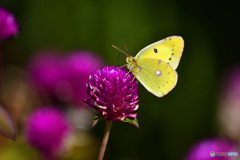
x: 169, y: 50
x: 156, y: 76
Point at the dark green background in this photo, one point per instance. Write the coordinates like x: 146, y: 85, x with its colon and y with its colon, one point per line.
x: 168, y: 125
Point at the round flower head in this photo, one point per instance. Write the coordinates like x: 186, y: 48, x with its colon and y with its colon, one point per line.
x: 79, y: 66
x: 46, y: 71
x: 229, y: 106
x: 204, y: 150
x: 46, y: 129
x: 8, y: 24
x: 113, y: 93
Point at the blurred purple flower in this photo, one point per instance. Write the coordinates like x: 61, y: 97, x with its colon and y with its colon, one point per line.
x: 202, y: 150
x: 64, y: 77
x: 79, y: 66
x: 46, y: 71
x: 229, y: 107
x: 113, y: 93
x: 8, y: 24
x: 46, y: 129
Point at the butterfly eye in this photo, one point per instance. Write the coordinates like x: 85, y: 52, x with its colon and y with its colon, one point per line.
x: 129, y: 59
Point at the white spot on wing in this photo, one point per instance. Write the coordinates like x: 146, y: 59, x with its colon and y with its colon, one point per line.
x: 158, y: 72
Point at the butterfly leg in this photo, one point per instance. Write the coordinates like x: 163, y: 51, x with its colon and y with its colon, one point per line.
x: 123, y: 66
x: 130, y: 69
x: 135, y: 76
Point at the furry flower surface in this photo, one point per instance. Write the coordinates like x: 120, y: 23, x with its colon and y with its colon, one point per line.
x: 46, y: 129
x: 113, y: 93
x: 8, y: 24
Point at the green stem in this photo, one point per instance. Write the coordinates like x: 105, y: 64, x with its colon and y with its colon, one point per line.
x: 105, y: 140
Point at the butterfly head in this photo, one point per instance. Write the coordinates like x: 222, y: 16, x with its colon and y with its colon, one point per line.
x: 131, y: 62
x: 129, y: 59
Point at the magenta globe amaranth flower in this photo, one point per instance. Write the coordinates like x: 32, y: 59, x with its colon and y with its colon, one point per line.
x: 8, y: 24
x: 79, y: 66
x: 113, y: 93
x: 46, y: 71
x: 229, y: 104
x: 63, y: 77
x: 202, y: 150
x: 47, y: 129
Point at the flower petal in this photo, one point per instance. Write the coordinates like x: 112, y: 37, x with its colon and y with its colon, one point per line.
x: 7, y: 124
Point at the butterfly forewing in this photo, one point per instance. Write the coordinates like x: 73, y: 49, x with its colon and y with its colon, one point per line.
x: 169, y: 50
x: 156, y: 76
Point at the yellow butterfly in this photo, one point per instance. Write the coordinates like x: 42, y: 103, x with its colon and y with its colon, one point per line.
x: 154, y: 66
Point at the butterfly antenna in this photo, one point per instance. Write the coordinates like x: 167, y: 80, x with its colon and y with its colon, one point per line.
x: 120, y: 50
x: 126, y: 48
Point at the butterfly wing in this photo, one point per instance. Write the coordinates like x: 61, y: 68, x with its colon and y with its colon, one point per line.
x: 169, y: 50
x: 156, y: 76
